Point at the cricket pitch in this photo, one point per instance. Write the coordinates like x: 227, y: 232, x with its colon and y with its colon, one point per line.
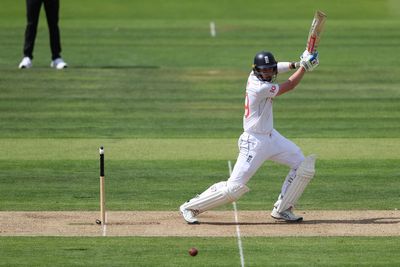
x: 213, y: 224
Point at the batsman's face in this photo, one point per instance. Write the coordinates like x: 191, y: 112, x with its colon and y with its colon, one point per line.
x: 267, y: 74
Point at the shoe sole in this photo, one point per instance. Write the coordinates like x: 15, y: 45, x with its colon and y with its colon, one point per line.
x: 289, y: 221
x: 55, y: 67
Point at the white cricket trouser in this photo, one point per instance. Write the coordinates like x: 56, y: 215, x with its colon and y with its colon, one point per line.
x: 255, y: 149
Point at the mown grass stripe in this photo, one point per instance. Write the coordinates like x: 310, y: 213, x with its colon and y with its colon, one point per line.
x: 187, y: 149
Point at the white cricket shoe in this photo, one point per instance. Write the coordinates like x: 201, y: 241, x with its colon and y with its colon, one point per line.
x: 188, y: 215
x: 59, y: 64
x: 26, y: 63
x: 286, y: 215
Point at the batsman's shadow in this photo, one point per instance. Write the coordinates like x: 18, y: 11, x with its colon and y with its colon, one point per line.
x: 378, y: 220
x: 233, y: 223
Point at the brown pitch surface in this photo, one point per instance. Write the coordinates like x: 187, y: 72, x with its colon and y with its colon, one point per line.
x: 213, y: 223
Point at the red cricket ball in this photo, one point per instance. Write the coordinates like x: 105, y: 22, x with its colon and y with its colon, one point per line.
x: 193, y: 252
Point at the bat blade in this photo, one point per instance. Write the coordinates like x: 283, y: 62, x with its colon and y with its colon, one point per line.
x: 316, y: 29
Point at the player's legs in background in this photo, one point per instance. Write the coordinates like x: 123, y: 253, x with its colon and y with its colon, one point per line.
x: 52, y: 13
x: 32, y: 16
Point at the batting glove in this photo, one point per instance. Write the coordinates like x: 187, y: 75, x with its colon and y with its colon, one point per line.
x: 305, y: 54
x: 309, y: 62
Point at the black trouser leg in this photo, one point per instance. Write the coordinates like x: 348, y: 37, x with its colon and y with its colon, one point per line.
x: 52, y: 8
x: 32, y: 17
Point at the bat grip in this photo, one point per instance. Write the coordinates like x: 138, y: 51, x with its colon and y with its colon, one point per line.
x: 101, y: 162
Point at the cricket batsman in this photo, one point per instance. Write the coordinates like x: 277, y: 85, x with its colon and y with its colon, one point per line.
x: 260, y: 142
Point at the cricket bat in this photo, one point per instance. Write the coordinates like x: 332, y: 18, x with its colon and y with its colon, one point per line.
x: 317, y: 26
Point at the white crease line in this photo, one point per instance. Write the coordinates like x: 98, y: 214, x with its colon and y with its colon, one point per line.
x: 237, y: 223
x: 104, y: 225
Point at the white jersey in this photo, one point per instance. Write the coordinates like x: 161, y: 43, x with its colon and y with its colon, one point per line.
x: 258, y: 117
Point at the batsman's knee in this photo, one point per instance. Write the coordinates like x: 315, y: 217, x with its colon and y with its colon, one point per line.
x: 235, y: 190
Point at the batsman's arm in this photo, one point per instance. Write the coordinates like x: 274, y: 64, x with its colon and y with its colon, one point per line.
x: 286, y: 66
x: 308, y: 63
x: 292, y: 82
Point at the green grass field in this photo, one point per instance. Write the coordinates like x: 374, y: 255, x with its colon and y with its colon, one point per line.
x: 138, y: 251
x: 148, y: 82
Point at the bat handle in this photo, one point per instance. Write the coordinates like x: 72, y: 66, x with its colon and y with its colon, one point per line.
x: 101, y: 151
